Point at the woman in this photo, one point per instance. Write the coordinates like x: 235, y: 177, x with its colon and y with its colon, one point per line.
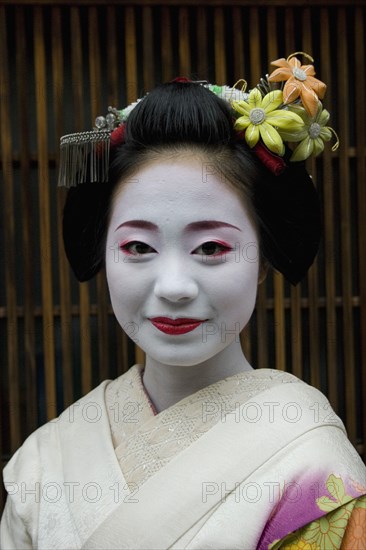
x: 194, y: 449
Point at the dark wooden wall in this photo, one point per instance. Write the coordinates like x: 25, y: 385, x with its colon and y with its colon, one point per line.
x: 62, y: 64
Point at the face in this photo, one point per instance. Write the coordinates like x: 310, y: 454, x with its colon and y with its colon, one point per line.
x: 182, y: 261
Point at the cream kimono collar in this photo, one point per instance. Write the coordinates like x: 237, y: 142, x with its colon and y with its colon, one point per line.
x: 170, y: 508
x: 146, y: 442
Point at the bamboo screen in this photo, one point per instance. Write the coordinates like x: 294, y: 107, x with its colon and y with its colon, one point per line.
x: 62, y: 64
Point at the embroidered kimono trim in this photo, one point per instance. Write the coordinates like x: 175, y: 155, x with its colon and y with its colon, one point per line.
x: 145, y: 443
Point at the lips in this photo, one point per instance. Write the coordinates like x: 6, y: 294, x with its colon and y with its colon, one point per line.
x: 176, y: 326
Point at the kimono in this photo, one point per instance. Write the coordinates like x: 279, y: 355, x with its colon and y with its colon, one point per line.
x: 258, y: 460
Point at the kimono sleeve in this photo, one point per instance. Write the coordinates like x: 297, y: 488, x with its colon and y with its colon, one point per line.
x: 13, y: 533
x: 341, y: 529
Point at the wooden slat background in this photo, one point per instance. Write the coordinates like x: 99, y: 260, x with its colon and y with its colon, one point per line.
x: 62, y: 64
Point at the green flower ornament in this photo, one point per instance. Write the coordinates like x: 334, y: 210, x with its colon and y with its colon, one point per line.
x: 313, y: 134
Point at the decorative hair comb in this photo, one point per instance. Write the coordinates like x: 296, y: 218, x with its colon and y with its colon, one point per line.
x: 266, y: 117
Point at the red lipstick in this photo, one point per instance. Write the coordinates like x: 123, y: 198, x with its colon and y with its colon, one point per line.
x: 176, y: 326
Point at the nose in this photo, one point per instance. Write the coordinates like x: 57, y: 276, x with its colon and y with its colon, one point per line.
x: 175, y: 283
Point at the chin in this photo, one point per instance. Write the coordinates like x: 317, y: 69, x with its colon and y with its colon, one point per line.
x: 182, y: 358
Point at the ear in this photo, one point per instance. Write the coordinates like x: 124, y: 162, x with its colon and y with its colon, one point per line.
x: 263, y: 270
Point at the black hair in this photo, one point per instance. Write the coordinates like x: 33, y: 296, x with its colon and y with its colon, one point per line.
x: 179, y: 112
x: 177, y: 116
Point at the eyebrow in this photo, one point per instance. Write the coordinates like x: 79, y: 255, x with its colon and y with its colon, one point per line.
x: 194, y: 226
x: 209, y: 224
x: 140, y: 224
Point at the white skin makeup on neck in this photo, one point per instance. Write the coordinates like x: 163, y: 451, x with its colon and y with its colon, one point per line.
x: 182, y: 262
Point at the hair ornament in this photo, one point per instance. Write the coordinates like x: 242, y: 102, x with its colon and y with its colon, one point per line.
x: 300, y: 82
x: 270, y: 120
x: 293, y: 116
x: 261, y: 118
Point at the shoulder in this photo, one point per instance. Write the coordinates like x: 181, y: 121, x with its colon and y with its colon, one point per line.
x: 85, y: 418
x: 43, y: 450
x: 293, y: 393
x: 59, y: 460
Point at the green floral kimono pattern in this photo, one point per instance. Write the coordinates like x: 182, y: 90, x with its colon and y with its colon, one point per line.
x: 343, y: 525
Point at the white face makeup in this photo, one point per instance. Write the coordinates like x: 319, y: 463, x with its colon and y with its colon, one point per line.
x: 182, y: 260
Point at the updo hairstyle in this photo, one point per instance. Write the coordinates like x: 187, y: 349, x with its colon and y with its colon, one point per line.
x: 185, y: 116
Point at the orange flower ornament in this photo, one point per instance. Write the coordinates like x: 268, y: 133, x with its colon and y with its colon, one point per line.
x: 300, y: 82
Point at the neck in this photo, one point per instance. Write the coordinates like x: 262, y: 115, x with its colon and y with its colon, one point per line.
x: 168, y: 384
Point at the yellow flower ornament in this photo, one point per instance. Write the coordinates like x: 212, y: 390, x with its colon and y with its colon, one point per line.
x: 261, y: 118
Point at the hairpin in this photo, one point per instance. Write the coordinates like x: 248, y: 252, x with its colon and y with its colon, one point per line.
x: 292, y: 115
x: 268, y: 118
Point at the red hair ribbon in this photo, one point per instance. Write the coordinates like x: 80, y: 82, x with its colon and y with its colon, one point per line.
x: 181, y: 79
x: 273, y: 162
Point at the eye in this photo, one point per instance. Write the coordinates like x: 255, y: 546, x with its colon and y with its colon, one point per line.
x: 212, y: 248
x: 136, y: 248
